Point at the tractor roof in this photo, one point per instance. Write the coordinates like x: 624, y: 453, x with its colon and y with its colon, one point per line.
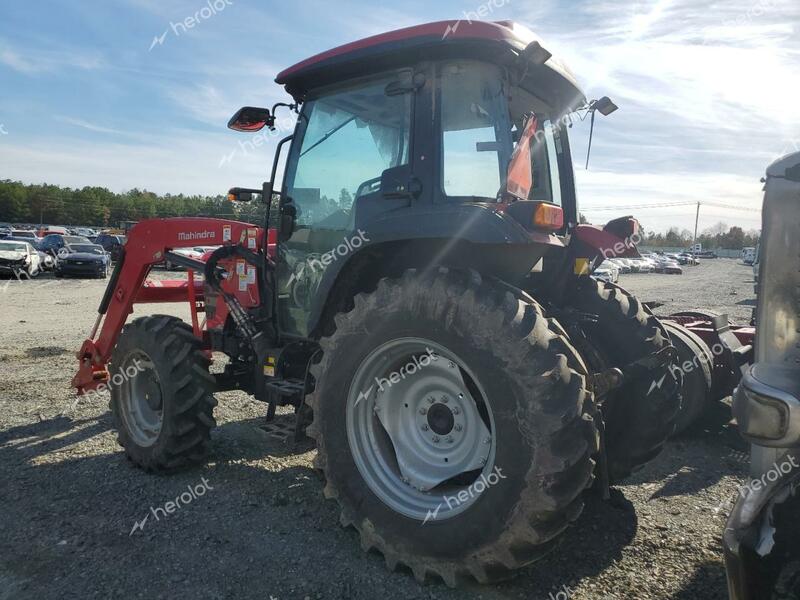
x: 500, y: 42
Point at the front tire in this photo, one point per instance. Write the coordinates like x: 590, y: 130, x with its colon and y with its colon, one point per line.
x: 161, y: 394
x: 516, y: 382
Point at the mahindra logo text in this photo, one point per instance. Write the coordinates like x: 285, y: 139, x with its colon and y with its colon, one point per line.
x: 184, y: 236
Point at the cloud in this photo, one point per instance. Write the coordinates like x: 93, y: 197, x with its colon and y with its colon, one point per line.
x: 35, y: 62
x: 91, y: 126
x: 704, y: 92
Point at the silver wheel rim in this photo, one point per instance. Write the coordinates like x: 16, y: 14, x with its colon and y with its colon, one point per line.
x: 420, y: 429
x: 141, y: 399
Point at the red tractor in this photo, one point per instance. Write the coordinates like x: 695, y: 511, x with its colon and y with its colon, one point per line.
x: 420, y: 293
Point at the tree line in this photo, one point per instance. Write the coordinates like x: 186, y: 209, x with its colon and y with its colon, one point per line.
x: 720, y: 236
x: 100, y: 207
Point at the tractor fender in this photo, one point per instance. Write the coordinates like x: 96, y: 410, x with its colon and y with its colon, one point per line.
x: 456, y: 235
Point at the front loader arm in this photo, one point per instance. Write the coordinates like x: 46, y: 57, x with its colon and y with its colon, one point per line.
x: 146, y: 246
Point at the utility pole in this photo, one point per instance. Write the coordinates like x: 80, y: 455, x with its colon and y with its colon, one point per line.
x: 696, y: 219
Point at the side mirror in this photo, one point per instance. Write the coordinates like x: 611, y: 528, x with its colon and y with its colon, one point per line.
x: 288, y: 215
x: 237, y: 194
x: 250, y: 119
x: 535, y: 53
x: 605, y: 106
x: 398, y: 182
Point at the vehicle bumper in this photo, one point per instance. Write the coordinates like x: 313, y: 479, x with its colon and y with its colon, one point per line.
x: 12, y: 267
x: 744, y: 531
x: 97, y: 269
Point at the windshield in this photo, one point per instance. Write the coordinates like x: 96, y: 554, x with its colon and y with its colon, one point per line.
x: 90, y: 248
x: 350, y: 136
x: 482, y: 121
x: 12, y: 247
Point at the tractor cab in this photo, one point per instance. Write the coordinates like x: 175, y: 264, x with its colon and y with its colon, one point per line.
x: 446, y: 140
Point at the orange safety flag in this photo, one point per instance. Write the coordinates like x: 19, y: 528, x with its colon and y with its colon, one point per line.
x: 520, y: 176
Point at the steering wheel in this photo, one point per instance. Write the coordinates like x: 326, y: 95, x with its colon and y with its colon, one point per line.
x: 366, y: 187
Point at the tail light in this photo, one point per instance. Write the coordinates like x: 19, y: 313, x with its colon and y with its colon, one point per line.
x: 548, y: 216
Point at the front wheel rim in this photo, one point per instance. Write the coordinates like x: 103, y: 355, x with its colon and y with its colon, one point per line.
x: 141, y: 399
x: 420, y: 429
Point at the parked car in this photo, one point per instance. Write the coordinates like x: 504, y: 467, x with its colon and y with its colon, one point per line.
x: 86, y: 232
x: 83, y: 259
x: 46, y: 260
x: 54, y: 242
x: 644, y: 265
x: 50, y: 229
x: 606, y: 272
x: 622, y: 263
x: 665, y: 264
x: 18, y: 257
x: 197, y: 253
x: 111, y: 243
x: 24, y: 233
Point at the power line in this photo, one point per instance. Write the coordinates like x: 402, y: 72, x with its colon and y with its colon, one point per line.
x: 669, y: 205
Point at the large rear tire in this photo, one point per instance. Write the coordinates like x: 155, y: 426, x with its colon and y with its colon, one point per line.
x: 696, y: 363
x: 497, y: 361
x: 640, y: 415
x: 162, y: 395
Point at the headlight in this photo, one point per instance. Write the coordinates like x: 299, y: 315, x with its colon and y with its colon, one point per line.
x: 760, y: 416
x: 766, y: 406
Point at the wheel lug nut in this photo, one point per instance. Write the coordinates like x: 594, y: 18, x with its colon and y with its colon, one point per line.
x: 436, y: 439
x: 424, y: 428
x: 423, y: 411
x: 445, y: 399
x: 449, y: 439
x: 456, y: 410
x: 487, y: 440
x: 459, y: 427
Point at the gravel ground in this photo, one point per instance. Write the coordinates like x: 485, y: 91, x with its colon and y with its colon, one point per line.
x: 260, y: 529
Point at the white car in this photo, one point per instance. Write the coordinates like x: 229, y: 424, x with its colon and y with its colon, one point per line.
x: 19, y: 257
x: 621, y: 263
x: 195, y: 252
x: 607, y: 271
x: 604, y: 274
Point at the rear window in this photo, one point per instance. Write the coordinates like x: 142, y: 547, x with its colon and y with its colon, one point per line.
x: 12, y: 247
x: 91, y: 248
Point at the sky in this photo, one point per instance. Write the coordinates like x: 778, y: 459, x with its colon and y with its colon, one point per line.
x: 121, y: 94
